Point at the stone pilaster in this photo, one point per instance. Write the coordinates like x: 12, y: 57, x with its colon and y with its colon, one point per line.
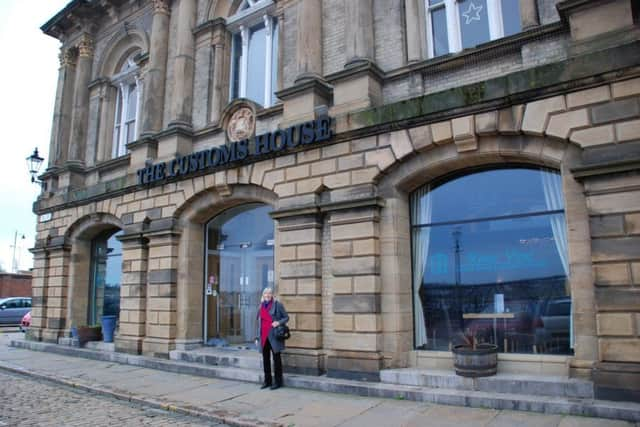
x: 355, y: 350
x: 161, y: 306
x: 309, y: 40
x: 58, y: 146
x: 220, y: 84
x: 415, y: 30
x: 133, y: 294
x: 300, y: 289
x: 80, y: 112
x: 529, y: 14
x: 56, y: 292
x: 183, y: 66
x: 359, y: 43
x: 39, y: 294
x: 156, y: 73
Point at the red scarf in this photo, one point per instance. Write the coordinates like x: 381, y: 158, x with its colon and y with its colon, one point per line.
x: 265, y: 322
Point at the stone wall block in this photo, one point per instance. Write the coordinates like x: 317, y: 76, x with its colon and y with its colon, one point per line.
x: 619, y: 350
x: 589, y: 137
x: 441, y: 132
x: 588, y: 96
x: 399, y: 142
x: 510, y: 120
x: 421, y: 137
x: 628, y: 131
x: 368, y: 265
x: 626, y: 88
x: 612, y: 274
x: 561, y: 125
x: 382, y: 158
x: 486, y: 123
x: 536, y: 114
x: 616, y: 110
x: 616, y: 324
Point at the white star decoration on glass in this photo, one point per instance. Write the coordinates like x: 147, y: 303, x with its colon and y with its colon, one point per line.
x: 472, y: 14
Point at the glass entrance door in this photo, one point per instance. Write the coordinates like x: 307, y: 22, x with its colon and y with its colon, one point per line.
x: 239, y: 264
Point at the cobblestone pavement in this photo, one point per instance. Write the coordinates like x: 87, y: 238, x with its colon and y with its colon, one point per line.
x: 28, y: 402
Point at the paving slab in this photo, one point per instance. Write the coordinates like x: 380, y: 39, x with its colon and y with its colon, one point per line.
x: 243, y: 403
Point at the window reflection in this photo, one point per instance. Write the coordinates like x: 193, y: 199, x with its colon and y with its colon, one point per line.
x: 489, y: 260
x: 106, y: 260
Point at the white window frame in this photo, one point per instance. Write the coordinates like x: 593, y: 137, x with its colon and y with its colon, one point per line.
x: 122, y: 81
x: 454, y: 34
x: 250, y: 13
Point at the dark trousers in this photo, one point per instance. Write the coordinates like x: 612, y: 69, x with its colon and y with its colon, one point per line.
x: 266, y: 361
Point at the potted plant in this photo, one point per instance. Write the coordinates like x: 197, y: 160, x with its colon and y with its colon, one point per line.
x: 88, y: 333
x: 108, y: 327
x: 473, y: 359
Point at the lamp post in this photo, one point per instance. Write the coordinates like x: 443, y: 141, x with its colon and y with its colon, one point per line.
x: 34, y: 161
x: 15, y: 262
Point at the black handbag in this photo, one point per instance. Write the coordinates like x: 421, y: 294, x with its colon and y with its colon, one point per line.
x: 282, y: 332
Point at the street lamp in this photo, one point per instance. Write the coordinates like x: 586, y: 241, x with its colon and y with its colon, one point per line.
x: 34, y: 161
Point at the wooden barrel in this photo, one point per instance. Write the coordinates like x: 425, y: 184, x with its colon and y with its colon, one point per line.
x: 481, y: 362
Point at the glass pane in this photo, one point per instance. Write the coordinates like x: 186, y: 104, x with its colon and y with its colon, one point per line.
x: 274, y: 62
x: 239, y: 266
x: 502, y: 282
x: 439, y: 32
x: 474, y: 22
x: 118, y: 116
x: 131, y: 134
x: 132, y: 102
x: 432, y: 2
x: 237, y: 57
x: 106, y: 277
x: 493, y: 193
x: 511, y: 17
x: 256, y: 69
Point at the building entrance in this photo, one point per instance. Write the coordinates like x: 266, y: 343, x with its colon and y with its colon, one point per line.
x: 239, y: 264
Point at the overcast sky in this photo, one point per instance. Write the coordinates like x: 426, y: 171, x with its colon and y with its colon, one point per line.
x: 28, y: 78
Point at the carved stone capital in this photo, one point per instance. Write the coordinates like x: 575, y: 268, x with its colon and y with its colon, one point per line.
x: 85, y: 46
x: 161, y: 6
x: 67, y: 57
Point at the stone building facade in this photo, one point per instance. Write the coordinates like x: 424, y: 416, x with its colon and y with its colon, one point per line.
x: 340, y: 117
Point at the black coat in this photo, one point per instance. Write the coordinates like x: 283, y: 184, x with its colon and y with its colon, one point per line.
x: 278, y: 314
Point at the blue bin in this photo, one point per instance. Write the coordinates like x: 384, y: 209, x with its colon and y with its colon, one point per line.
x: 108, y: 327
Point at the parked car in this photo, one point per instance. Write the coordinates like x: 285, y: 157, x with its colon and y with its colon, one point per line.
x: 552, y: 325
x: 13, y: 309
x: 26, y: 322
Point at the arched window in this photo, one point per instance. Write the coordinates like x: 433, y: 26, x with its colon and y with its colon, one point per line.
x: 128, y: 99
x: 489, y: 252
x: 454, y: 25
x: 254, y: 52
x: 106, y: 276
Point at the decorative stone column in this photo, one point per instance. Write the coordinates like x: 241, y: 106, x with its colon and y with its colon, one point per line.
x: 76, y: 152
x: 133, y: 294
x: 359, y: 86
x: 309, y: 40
x: 356, y: 346
x: 310, y: 92
x: 39, y: 282
x: 184, y: 66
x: 157, y: 71
x: 56, y: 290
x: 162, y: 280
x: 415, y: 30
x: 60, y: 129
x: 359, y: 43
x: 220, y: 76
x: 300, y: 288
x: 529, y: 14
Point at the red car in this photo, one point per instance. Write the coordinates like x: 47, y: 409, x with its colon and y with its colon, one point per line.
x: 26, y: 322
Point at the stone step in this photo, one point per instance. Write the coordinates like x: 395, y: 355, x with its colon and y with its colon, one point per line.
x: 473, y: 398
x: 229, y: 357
x: 539, y: 385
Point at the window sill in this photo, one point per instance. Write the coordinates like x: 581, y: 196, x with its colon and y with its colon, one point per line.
x: 481, y: 52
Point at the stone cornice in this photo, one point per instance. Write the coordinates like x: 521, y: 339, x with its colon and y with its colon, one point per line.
x: 312, y: 84
x: 210, y: 25
x: 357, y: 70
x: 567, y: 7
x: 606, y: 168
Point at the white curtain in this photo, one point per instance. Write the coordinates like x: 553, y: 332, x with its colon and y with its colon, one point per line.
x: 421, y: 207
x: 552, y: 186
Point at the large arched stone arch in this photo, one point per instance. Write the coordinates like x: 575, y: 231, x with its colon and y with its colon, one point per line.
x: 416, y: 168
x: 119, y: 47
x: 192, y: 217
x: 222, y: 8
x: 80, y: 234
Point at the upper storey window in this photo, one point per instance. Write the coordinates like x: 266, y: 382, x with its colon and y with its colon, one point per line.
x: 254, y: 52
x: 128, y: 100
x: 453, y: 25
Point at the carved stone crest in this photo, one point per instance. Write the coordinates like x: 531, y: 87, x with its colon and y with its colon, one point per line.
x: 241, y: 125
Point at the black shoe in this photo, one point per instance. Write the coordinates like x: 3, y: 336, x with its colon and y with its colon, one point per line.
x: 265, y: 385
x: 276, y: 386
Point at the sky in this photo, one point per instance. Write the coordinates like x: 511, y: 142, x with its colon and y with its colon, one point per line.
x: 28, y: 78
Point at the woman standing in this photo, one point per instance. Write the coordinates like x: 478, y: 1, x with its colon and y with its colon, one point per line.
x: 272, y: 314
